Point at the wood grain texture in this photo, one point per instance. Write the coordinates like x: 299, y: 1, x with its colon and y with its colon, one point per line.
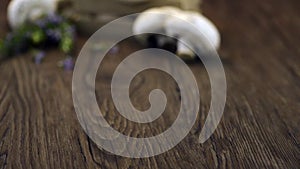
x: 260, y: 127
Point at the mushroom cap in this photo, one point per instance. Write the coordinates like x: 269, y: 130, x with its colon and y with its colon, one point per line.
x: 153, y: 20
x: 199, y: 27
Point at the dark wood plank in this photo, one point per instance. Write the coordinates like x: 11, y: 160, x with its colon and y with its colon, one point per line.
x: 259, y: 129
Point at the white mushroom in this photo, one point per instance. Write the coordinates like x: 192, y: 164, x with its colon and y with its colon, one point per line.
x: 173, y: 23
x: 203, y: 35
x: 20, y: 11
x: 153, y: 20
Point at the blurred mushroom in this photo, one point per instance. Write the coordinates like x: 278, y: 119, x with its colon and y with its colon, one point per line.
x: 20, y: 11
x: 152, y: 20
x: 199, y: 34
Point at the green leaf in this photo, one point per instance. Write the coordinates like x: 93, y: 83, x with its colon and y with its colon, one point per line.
x: 38, y: 37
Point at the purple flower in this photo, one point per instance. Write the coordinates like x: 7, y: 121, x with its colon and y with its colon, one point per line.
x: 55, y: 19
x: 41, y: 23
x: 53, y: 34
x: 39, y: 57
x: 70, y: 31
x: 68, y: 64
x: 114, y: 50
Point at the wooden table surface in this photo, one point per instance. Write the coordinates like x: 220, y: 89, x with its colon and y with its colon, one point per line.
x: 259, y: 129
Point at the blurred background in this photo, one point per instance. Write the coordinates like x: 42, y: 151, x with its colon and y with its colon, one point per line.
x: 259, y: 48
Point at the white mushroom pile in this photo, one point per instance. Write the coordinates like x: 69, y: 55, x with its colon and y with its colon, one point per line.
x: 172, y: 22
x: 20, y: 11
